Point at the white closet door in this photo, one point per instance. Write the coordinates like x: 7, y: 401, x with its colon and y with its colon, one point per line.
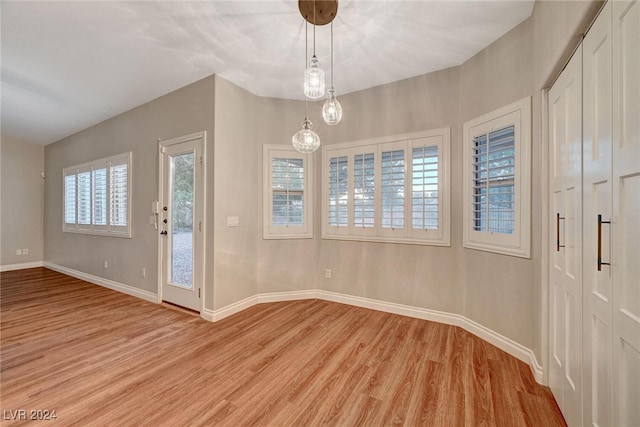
x: 565, y: 124
x: 597, y: 134
x: 625, y: 257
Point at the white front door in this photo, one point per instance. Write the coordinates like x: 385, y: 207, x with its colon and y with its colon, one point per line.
x: 181, y: 220
x: 565, y: 275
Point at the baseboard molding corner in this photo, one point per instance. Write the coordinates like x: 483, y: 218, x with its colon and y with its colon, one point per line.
x: 110, y: 284
x: 21, y: 266
x: 226, y: 311
x: 536, y: 368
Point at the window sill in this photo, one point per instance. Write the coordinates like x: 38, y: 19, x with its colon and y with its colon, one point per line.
x: 396, y: 240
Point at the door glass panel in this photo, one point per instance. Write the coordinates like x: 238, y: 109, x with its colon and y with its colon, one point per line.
x: 181, y: 217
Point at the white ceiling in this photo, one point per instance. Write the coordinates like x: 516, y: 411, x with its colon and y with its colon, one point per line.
x: 67, y: 65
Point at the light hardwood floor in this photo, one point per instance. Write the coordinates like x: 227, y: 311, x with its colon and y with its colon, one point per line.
x: 98, y: 357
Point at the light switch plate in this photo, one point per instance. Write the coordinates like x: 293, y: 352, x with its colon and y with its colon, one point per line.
x: 233, y: 221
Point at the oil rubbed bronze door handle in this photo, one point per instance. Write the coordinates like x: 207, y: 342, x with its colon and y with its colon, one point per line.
x: 600, y: 222
x: 558, y: 245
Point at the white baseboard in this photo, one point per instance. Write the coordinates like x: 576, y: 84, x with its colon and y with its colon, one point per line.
x: 236, y: 307
x: 21, y: 266
x: 116, y: 286
x: 506, y: 344
x: 215, y: 315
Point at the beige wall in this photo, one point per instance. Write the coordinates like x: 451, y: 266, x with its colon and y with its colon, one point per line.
x: 22, y: 201
x: 179, y: 113
x: 499, y: 287
x: 420, y: 276
x: 236, y: 171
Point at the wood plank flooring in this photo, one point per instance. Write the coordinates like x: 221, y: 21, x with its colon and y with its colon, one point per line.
x: 99, y: 357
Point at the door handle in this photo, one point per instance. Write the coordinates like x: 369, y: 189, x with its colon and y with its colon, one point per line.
x: 163, y: 232
x: 600, y: 222
x: 558, y: 245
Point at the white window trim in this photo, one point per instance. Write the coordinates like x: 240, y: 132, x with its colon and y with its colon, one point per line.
x: 269, y: 231
x: 99, y: 230
x: 439, y: 237
x: 519, y: 243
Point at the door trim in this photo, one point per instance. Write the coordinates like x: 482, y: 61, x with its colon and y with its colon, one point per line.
x: 545, y: 211
x: 201, y: 245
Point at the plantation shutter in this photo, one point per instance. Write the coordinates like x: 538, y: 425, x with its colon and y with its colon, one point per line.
x: 70, y: 198
x: 100, y: 196
x: 364, y: 208
x: 118, y: 193
x: 392, y: 185
x: 84, y: 195
x: 338, y: 191
x: 493, y: 166
x: 287, y: 182
x: 424, y: 182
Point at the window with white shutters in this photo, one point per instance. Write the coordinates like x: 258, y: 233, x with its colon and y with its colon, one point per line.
x: 497, y: 181
x: 286, y: 202
x: 97, y: 197
x: 393, y: 189
x: 338, y: 191
x: 84, y: 198
x: 392, y: 185
x: 363, y: 191
x: 287, y: 186
x: 424, y: 188
x: 494, y: 181
x: 119, y: 194
x: 100, y: 196
x: 70, y: 199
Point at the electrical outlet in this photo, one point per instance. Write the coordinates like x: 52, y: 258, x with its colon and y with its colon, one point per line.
x: 327, y: 274
x: 106, y: 264
x: 18, y: 251
x: 25, y: 252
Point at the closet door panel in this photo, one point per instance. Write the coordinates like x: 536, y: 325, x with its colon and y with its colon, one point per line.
x: 626, y: 212
x: 565, y: 126
x: 597, y: 199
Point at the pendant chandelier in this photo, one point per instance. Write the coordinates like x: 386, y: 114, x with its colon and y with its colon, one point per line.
x: 319, y: 12
x: 332, y: 110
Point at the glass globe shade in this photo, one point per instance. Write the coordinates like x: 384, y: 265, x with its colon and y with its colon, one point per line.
x: 332, y: 110
x: 306, y: 140
x: 314, y: 80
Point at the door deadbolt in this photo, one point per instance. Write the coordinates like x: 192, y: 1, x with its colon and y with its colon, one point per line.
x: 164, y: 208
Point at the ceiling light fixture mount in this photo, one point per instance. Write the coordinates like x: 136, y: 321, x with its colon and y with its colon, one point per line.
x: 320, y: 12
